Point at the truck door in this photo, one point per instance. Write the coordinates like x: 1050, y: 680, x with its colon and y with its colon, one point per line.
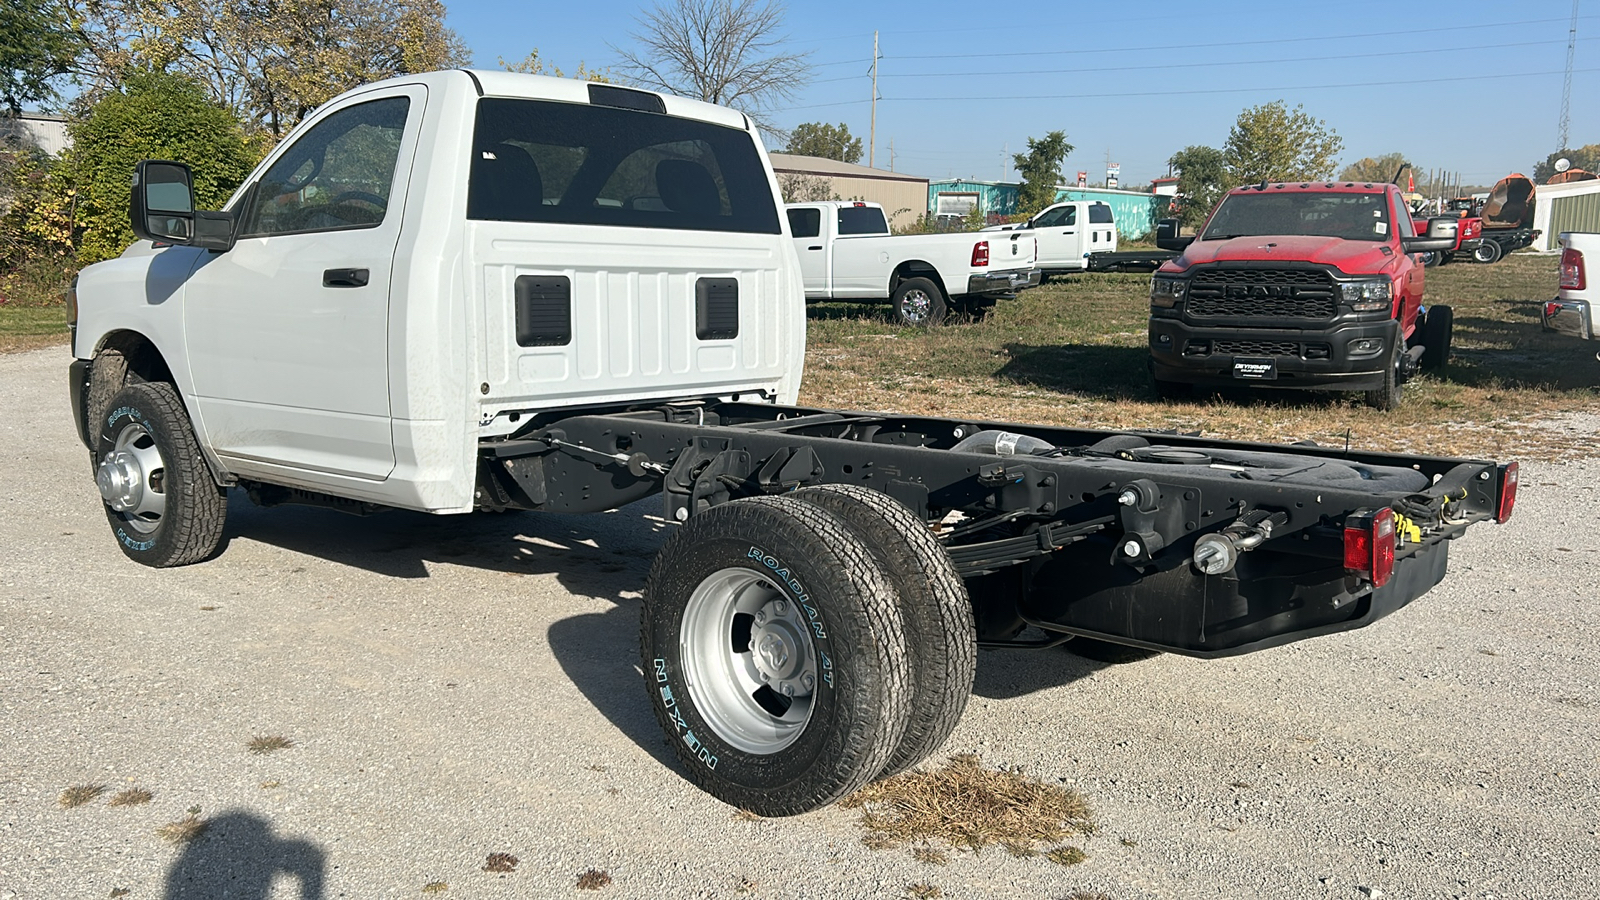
x: 288, y: 332
x: 812, y: 246
x: 861, y: 264
x: 1057, y: 231
x: 1102, y: 230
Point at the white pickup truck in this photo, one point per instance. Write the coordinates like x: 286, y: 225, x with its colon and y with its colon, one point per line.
x: 1573, y: 310
x: 1068, y: 233
x: 464, y: 291
x: 847, y: 253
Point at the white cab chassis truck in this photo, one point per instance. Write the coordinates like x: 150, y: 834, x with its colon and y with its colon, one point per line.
x: 471, y: 291
x: 847, y: 253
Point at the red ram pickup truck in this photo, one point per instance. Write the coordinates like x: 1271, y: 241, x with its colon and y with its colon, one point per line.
x: 1305, y: 285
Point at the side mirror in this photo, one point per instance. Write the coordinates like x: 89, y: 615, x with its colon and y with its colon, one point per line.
x: 1167, y: 236
x: 161, y: 209
x: 1441, y: 236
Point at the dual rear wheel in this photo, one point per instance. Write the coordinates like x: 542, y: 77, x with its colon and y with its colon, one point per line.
x: 797, y: 647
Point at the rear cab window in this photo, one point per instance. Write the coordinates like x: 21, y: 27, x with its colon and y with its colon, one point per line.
x: 1100, y: 214
x: 577, y: 164
x: 862, y: 220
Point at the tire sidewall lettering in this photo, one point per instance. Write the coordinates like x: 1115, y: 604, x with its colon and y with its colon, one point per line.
x: 781, y: 573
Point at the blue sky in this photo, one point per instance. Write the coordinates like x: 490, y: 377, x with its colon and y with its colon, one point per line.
x: 1468, y: 86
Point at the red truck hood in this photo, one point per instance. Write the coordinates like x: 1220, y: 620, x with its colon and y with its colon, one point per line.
x: 1350, y: 257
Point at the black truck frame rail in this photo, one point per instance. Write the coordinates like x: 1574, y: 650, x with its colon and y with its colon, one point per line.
x: 1094, y: 536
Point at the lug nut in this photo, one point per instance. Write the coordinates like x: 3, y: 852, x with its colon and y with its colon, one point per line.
x: 808, y: 680
x: 761, y: 617
x: 780, y: 607
x: 786, y: 689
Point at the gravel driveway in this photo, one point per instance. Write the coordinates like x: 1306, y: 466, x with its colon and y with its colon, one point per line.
x: 457, y: 687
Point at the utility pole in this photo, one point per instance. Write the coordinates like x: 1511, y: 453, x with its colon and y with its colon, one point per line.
x: 891, y: 154
x: 872, y: 149
x: 1566, y: 86
x: 1004, y: 149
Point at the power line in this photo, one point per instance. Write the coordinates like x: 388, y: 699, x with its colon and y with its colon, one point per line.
x: 1237, y: 43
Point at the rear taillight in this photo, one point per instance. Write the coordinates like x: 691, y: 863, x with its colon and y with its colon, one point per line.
x: 1508, y: 492
x: 1572, y: 275
x: 980, y: 253
x: 1369, y: 545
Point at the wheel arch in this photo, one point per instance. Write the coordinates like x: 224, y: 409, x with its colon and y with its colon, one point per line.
x: 916, y: 268
x: 146, y: 362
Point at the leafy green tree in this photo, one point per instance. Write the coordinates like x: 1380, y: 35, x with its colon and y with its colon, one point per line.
x: 1272, y: 143
x: 1586, y: 157
x: 272, y: 60
x: 1202, y: 180
x: 1040, y: 170
x: 37, y: 45
x: 1376, y: 169
x: 156, y: 115
x: 824, y: 140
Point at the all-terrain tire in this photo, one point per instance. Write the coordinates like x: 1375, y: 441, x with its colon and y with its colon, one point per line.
x: 764, y: 592
x: 110, y: 373
x: 919, y: 302
x: 181, y: 510
x: 1437, y: 332
x: 1388, y: 396
x: 940, y: 636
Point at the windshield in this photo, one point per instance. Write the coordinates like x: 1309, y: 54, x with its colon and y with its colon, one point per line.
x: 1354, y: 217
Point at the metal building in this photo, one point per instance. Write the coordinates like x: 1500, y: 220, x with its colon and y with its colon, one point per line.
x: 1574, y: 206
x: 904, y: 197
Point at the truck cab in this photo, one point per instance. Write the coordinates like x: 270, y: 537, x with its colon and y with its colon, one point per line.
x: 1069, y: 233
x: 1308, y: 285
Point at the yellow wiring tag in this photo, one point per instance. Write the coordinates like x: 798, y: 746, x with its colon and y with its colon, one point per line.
x: 1407, y: 530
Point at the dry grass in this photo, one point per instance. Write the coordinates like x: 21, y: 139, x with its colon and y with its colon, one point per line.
x: 969, y: 807
x: 923, y: 891
x: 1073, y: 353
x: 435, y: 887
x: 184, y: 830
x: 932, y: 856
x: 745, y: 815
x: 500, y: 862
x: 1066, y: 856
x: 263, y: 744
x: 593, y: 880
x: 80, y: 795
x: 136, y: 796
x: 120, y: 892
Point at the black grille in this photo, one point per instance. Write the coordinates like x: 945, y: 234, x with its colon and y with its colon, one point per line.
x: 544, y: 310
x: 1270, y: 293
x: 716, y: 308
x: 1256, y: 348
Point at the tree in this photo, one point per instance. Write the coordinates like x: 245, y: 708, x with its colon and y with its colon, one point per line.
x: 273, y: 60
x: 1271, y: 143
x: 1202, y: 180
x: 1375, y: 169
x: 728, y: 52
x: 1040, y: 169
x: 532, y: 64
x: 37, y: 46
x: 1586, y: 158
x: 156, y: 115
x: 798, y: 187
x: 824, y: 140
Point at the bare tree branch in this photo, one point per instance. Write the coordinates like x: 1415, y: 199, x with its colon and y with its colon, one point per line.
x: 728, y: 52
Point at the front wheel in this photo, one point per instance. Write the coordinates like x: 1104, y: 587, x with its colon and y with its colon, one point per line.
x: 775, y: 655
x: 1387, y: 397
x: 918, y: 302
x: 1487, y: 252
x: 161, y: 501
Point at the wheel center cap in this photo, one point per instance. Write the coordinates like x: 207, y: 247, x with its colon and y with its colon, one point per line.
x: 774, y: 651
x: 120, y: 481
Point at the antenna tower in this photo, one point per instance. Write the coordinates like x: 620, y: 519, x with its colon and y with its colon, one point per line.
x: 1566, y: 86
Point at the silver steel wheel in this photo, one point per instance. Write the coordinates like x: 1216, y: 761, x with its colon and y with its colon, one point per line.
x: 132, y: 479
x: 748, y: 660
x: 916, y: 306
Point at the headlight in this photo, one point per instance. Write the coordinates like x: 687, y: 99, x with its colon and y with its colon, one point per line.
x: 1366, y: 296
x: 1167, y: 291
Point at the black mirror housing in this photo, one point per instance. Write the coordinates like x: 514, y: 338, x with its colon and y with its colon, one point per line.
x: 161, y: 209
x: 1167, y: 236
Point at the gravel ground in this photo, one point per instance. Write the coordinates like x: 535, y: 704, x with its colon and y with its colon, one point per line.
x: 456, y: 687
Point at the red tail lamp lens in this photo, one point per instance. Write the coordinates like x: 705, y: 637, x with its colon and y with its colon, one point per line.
x: 980, y: 253
x: 1573, y: 277
x: 1369, y: 545
x: 1508, y: 492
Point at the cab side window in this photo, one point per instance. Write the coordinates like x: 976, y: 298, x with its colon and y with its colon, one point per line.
x: 805, y: 223
x: 1053, y: 218
x: 335, y: 177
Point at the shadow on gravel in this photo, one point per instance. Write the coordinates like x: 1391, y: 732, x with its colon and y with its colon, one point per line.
x: 600, y: 654
x: 1008, y: 674
x: 238, y: 857
x: 598, y: 555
